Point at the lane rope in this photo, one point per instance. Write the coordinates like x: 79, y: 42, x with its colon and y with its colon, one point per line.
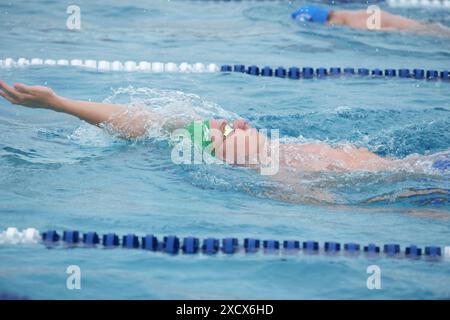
x: 266, y: 71
x: 309, y: 72
x: 211, y: 246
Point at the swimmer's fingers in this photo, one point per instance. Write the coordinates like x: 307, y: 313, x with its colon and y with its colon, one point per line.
x: 11, y: 96
x: 21, y: 99
x: 9, y: 91
x: 23, y: 88
x: 7, y: 97
x: 17, y: 94
x: 28, y: 94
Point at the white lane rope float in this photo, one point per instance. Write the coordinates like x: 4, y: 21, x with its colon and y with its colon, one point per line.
x: 104, y: 65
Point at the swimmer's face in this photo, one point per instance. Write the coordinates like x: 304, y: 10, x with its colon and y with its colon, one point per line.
x: 240, y: 145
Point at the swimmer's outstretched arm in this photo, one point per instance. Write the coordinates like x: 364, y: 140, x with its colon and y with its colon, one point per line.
x: 93, y: 112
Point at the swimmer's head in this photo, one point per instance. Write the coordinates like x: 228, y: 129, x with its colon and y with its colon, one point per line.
x: 311, y: 14
x: 235, y: 142
x: 209, y: 134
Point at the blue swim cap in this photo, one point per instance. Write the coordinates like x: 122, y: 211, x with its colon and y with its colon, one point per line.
x: 311, y: 14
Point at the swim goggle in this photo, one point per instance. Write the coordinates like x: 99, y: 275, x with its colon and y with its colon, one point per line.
x: 227, y: 130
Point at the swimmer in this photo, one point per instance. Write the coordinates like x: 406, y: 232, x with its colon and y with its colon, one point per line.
x: 227, y: 141
x: 358, y: 19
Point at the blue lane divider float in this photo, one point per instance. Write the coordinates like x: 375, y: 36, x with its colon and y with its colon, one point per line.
x: 211, y: 246
x: 308, y: 72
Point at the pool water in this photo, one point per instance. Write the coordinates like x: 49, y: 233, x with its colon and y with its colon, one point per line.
x: 59, y: 173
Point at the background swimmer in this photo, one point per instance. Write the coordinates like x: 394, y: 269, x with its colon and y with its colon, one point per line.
x: 358, y: 19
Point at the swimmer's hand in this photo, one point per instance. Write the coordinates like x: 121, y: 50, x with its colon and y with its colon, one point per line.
x: 28, y: 96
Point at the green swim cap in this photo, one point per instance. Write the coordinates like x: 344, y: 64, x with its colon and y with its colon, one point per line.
x: 202, y: 138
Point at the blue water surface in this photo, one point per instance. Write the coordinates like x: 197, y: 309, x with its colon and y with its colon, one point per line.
x: 59, y: 173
